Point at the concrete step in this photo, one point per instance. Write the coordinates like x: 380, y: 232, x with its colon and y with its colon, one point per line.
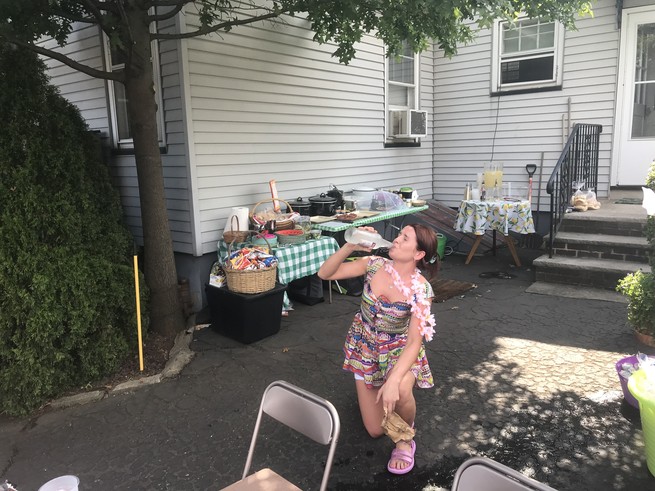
x: 576, y: 291
x: 601, y: 246
x: 597, y: 273
x: 590, y: 222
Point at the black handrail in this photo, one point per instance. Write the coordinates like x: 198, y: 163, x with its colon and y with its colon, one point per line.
x: 578, y: 162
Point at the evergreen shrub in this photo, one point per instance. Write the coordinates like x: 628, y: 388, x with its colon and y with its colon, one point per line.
x: 67, y: 313
x: 639, y: 287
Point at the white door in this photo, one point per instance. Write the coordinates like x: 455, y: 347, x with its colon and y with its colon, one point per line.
x: 636, y: 104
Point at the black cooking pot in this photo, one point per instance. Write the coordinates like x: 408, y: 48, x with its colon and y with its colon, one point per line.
x: 337, y: 194
x: 301, y: 205
x: 323, y: 205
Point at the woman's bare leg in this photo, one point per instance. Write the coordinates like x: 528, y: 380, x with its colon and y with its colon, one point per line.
x: 372, y: 413
x: 406, y: 409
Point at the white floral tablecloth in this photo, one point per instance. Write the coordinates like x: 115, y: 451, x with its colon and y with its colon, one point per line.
x: 479, y: 216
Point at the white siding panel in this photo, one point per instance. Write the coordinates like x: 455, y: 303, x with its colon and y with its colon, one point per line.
x: 90, y: 96
x: 267, y: 102
x: 470, y: 125
x: 87, y: 93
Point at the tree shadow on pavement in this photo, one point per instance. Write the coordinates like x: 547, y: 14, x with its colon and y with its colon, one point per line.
x: 564, y: 440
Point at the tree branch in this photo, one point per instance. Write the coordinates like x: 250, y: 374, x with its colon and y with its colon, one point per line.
x: 217, y: 27
x: 92, y: 72
x: 95, y: 11
x: 74, y: 18
x: 104, y: 5
x: 168, y: 3
x: 167, y: 15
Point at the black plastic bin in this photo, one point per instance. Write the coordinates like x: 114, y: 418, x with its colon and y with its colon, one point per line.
x: 243, y: 316
x: 307, y: 290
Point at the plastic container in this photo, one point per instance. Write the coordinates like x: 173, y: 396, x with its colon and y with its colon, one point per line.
x: 644, y: 392
x: 629, y: 398
x: 441, y: 245
x: 246, y: 317
x: 62, y: 483
x: 364, y: 238
x: 364, y: 196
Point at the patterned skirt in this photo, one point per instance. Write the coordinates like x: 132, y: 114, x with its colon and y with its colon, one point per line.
x: 372, y: 354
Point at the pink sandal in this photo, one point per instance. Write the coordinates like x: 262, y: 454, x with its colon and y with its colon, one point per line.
x: 403, y: 456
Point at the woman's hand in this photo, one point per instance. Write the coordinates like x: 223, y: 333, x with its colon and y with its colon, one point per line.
x: 389, y: 394
x: 357, y: 247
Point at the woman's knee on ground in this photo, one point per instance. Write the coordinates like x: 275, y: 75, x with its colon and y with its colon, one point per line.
x: 374, y: 431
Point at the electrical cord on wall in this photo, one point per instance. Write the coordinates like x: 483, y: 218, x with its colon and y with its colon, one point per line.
x: 493, y: 140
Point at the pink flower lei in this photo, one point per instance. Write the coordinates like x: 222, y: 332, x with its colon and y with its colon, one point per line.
x: 416, y: 298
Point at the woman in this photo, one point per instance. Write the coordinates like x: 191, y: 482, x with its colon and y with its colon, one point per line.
x: 384, y: 346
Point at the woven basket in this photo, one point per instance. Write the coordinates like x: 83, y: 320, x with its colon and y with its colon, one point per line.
x: 235, y: 235
x: 284, y: 239
x: 283, y: 221
x: 249, y: 281
x: 259, y: 241
x: 257, y: 281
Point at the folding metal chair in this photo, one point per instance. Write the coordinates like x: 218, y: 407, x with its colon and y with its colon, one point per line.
x: 302, y: 411
x: 483, y: 474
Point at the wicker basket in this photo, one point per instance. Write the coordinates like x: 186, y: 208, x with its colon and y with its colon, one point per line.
x: 256, y: 281
x: 235, y: 235
x: 249, y: 281
x: 284, y: 239
x: 283, y: 221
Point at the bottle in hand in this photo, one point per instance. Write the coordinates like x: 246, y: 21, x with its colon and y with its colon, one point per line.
x: 364, y: 238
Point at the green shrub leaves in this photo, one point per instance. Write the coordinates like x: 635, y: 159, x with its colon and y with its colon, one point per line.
x: 67, y: 313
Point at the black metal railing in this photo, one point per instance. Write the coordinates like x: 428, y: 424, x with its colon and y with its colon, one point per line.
x: 578, y: 162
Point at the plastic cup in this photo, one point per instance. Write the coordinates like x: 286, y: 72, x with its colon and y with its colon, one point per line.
x: 305, y: 224
x: 644, y: 391
x: 62, y: 483
x: 475, y: 194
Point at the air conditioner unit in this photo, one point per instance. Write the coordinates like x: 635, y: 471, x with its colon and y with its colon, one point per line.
x: 408, y: 123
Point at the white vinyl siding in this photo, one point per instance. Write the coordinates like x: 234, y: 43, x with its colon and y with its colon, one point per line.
x: 90, y: 96
x: 87, y: 93
x: 527, y: 124
x: 267, y: 102
x: 174, y: 161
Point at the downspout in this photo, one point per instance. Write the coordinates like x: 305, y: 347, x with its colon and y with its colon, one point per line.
x: 566, y: 122
x: 185, y: 96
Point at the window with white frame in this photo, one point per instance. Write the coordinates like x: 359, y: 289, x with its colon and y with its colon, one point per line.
x: 527, y: 54
x: 402, y: 92
x: 120, y: 126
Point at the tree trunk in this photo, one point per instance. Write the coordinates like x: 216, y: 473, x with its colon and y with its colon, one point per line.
x: 159, y: 263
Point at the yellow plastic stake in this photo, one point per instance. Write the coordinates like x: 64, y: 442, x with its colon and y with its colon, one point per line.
x: 138, y: 310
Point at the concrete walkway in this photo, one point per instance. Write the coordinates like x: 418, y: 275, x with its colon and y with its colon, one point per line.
x: 525, y: 379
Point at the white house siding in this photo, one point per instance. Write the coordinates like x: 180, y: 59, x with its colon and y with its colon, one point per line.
x: 527, y: 124
x: 174, y: 160
x: 90, y: 96
x: 87, y: 93
x: 267, y: 102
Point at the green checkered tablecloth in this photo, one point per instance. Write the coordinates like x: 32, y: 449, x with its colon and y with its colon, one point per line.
x: 335, y: 226
x: 295, y: 261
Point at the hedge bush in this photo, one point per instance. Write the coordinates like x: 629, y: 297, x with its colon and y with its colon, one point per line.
x: 649, y: 230
x: 67, y: 313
